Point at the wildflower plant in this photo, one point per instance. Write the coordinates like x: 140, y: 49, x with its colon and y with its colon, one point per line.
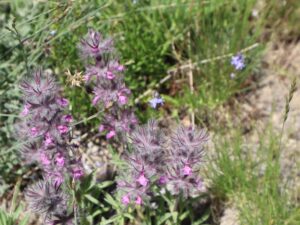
x: 157, y: 161
x: 238, y: 61
x: 156, y: 101
x: 104, y: 74
x: 154, y: 160
x: 158, y: 165
x: 45, y: 128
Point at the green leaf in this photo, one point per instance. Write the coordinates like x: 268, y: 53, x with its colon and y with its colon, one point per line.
x: 104, y: 184
x: 129, y: 216
x: 87, y: 183
x: 111, y: 220
x: 109, y: 199
x: 164, y: 218
x: 202, y: 219
x: 184, y: 215
x: 92, y: 199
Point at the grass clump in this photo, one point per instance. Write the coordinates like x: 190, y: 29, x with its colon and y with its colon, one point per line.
x: 249, y: 178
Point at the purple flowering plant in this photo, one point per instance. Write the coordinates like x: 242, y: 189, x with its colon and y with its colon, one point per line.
x: 156, y: 101
x: 155, y: 162
x: 238, y: 61
x: 45, y: 128
x: 157, y: 165
x: 104, y: 74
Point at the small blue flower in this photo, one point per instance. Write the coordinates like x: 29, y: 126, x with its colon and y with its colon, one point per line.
x: 154, y: 102
x: 238, y: 61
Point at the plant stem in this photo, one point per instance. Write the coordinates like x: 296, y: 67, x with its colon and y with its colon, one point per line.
x: 289, y: 98
x: 21, y: 43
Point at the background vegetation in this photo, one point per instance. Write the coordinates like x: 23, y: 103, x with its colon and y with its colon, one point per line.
x: 163, y: 45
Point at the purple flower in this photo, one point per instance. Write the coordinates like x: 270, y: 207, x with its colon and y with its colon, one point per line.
x: 101, y: 128
x: 125, y: 200
x: 156, y: 100
x: 60, y: 160
x: 142, y: 180
x: 238, y: 61
x: 138, y: 200
x: 120, y: 68
x: 187, y: 171
x: 122, y: 99
x: 34, y: 131
x: 132, y: 190
x: 68, y: 118
x: 62, y: 129
x: 110, y: 93
x: 63, y: 102
x: 44, y: 159
x: 26, y: 109
x: 110, y: 134
x: 110, y: 75
x: 48, y: 140
x: 163, y: 180
x: 77, y: 173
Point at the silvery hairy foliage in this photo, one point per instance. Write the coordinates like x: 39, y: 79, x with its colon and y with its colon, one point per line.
x: 168, y: 161
x: 104, y: 74
x: 47, y: 198
x: 45, y: 128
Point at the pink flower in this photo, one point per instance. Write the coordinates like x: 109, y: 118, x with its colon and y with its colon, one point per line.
x: 44, y: 159
x: 120, y: 68
x: 122, y: 99
x: 125, y: 199
x: 60, y: 160
x: 62, y: 102
x: 34, y: 131
x: 138, y: 200
x: 101, y: 128
x: 162, y: 180
x: 68, y: 118
x: 187, y: 171
x: 77, y: 173
x: 110, y: 75
x: 62, y: 129
x: 48, y: 140
x: 26, y: 109
x: 110, y: 134
x: 142, y: 180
